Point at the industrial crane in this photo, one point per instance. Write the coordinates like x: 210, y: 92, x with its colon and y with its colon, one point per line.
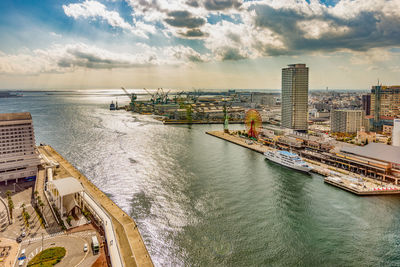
x: 131, y: 96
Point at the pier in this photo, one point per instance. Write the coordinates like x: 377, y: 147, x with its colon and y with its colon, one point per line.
x: 343, y: 179
x: 130, y: 242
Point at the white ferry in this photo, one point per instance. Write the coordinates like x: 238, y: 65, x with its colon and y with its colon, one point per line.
x: 287, y: 159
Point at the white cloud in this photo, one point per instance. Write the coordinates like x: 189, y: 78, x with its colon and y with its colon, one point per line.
x: 371, y: 56
x: 55, y: 35
x: 94, y: 9
x: 316, y: 28
x: 70, y: 57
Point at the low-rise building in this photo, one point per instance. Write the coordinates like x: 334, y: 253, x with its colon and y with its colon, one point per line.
x: 67, y: 196
x: 387, y: 129
x: 366, y: 137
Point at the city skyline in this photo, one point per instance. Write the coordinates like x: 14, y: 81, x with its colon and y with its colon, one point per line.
x: 197, y: 44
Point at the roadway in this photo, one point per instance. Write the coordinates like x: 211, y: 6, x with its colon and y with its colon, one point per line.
x: 116, y: 259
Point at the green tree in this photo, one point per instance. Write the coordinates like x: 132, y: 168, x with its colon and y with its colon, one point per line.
x: 41, y: 204
x: 11, y: 207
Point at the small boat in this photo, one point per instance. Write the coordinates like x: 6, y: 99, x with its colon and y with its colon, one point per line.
x: 288, y: 159
x: 112, y: 106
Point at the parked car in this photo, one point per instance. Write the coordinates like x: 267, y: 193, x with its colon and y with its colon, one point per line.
x: 23, y: 234
x: 85, y: 248
x: 19, y: 239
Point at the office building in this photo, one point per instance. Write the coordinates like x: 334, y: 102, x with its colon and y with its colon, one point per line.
x: 295, y: 97
x: 385, y: 103
x: 346, y: 121
x: 366, y: 104
x: 18, y: 158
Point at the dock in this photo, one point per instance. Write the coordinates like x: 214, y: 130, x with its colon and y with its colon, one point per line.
x: 130, y: 242
x: 351, y: 182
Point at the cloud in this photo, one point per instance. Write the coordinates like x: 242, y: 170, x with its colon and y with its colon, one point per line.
x: 221, y: 4
x: 195, y: 33
x: 184, y: 19
x: 94, y: 9
x: 230, y: 53
x: 310, y: 27
x: 70, y: 57
x: 56, y: 35
x: 237, y: 29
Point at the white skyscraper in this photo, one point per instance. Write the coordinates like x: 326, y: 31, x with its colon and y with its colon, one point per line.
x: 295, y: 97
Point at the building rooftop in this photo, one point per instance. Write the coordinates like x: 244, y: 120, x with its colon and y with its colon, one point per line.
x: 67, y: 186
x: 15, y: 116
x: 375, y: 151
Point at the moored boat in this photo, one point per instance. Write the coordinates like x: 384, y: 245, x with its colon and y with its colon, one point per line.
x: 288, y: 159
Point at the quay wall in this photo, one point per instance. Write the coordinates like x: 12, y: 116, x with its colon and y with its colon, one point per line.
x: 318, y: 167
x: 133, y: 250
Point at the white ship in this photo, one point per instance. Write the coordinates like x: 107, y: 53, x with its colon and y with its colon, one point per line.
x: 287, y: 159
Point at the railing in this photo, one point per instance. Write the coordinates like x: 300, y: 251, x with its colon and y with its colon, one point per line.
x: 112, y: 226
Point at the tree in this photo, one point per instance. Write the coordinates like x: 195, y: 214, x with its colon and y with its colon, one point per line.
x: 10, y: 207
x: 41, y: 204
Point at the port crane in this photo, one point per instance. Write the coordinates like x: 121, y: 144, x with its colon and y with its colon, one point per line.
x: 159, y: 97
x: 132, y: 97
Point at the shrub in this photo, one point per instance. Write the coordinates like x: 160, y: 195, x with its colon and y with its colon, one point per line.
x: 48, y: 257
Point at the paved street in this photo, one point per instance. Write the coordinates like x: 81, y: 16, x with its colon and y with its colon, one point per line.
x: 73, y: 243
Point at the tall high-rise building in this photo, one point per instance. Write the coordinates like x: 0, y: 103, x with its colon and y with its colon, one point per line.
x: 347, y: 121
x: 18, y: 158
x: 385, y: 102
x: 366, y: 104
x: 295, y: 97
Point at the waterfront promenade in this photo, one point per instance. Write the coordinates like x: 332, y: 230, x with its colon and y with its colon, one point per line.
x: 351, y: 182
x: 130, y: 242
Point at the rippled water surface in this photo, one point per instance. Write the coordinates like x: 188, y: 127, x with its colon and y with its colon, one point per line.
x: 200, y: 201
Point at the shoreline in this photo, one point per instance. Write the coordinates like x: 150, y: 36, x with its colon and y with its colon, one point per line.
x: 131, y: 245
x: 318, y: 168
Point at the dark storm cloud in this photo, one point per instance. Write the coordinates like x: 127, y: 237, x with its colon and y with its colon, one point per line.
x: 221, y: 4
x: 192, y: 3
x: 184, y: 19
x: 193, y: 33
x: 234, y: 37
x: 230, y: 53
x: 364, y: 31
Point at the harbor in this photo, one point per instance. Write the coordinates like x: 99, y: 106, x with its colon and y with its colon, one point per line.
x: 190, y: 215
x: 351, y: 182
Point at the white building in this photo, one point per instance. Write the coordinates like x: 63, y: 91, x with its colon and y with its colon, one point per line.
x: 396, y: 132
x: 295, y: 97
x: 18, y: 158
x: 347, y: 121
x: 67, y: 195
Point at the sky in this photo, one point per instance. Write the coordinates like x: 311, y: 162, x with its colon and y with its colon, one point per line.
x: 197, y: 44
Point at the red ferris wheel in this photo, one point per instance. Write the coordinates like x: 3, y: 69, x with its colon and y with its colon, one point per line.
x: 253, y: 123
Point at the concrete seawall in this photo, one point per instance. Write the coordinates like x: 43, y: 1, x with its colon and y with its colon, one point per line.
x: 132, y: 248
x: 371, y: 186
